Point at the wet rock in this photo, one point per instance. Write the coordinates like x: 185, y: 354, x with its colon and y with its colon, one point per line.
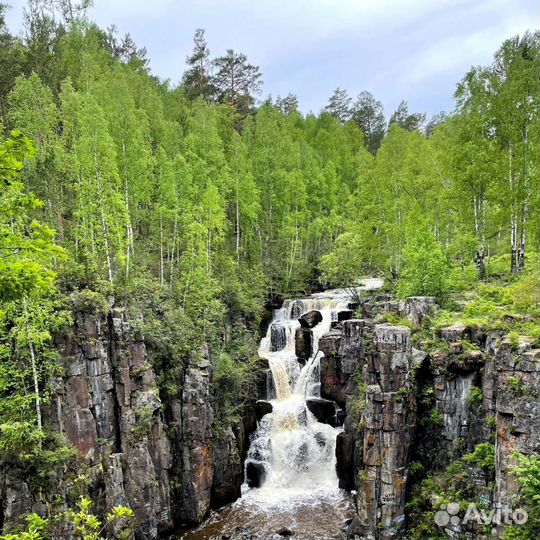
x: 338, y: 419
x: 310, y: 319
x: 301, y: 416
x: 322, y: 409
x: 303, y: 343
x: 345, y: 315
x: 278, y: 337
x: 301, y: 459
x: 228, y: 471
x: 255, y: 474
x: 344, y: 460
x: 320, y: 438
x: 262, y: 408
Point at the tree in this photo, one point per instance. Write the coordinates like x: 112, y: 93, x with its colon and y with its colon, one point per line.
x: 368, y: 114
x: 197, y: 79
x: 434, y: 121
x: 339, y: 105
x: 237, y: 81
x: 288, y: 104
x: 426, y: 268
x: 406, y: 120
x: 27, y: 251
x: 30, y: 312
x: 11, y: 56
x: 69, y: 11
x: 515, y: 108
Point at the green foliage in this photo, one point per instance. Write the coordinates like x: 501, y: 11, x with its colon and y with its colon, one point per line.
x: 436, y: 417
x: 516, y: 386
x: 526, y: 470
x: 476, y: 396
x: 483, y: 456
x: 426, y: 268
x: 79, y: 522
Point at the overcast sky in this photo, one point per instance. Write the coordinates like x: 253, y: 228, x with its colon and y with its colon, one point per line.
x: 397, y: 49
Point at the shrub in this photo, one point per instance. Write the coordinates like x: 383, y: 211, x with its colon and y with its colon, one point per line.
x: 476, y: 396
x: 483, y: 456
x: 426, y: 267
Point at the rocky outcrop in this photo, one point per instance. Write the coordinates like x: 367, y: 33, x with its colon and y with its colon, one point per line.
x: 107, y: 404
x: 432, y: 407
x: 518, y: 413
x: 389, y: 429
x: 196, y: 440
x: 109, y: 409
x: 417, y: 308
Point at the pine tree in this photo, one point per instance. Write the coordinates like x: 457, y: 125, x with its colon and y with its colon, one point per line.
x: 197, y: 79
x: 339, y: 105
x: 368, y: 114
x: 237, y: 81
x: 406, y: 120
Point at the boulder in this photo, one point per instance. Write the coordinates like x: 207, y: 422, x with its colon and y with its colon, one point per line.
x: 303, y: 343
x: 310, y: 319
x: 322, y: 409
x: 338, y: 419
x: 262, y: 408
x: 278, y: 337
x: 255, y: 474
x: 345, y: 315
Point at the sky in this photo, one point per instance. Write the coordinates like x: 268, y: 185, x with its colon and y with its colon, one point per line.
x: 416, y: 50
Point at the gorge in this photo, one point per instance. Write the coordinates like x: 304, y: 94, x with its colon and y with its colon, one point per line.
x: 349, y: 412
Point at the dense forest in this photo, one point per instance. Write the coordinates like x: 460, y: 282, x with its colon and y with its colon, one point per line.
x: 199, y: 204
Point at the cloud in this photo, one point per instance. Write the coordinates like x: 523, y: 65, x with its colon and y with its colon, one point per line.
x: 398, y: 49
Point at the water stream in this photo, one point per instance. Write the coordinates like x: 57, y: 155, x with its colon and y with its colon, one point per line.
x: 294, y: 451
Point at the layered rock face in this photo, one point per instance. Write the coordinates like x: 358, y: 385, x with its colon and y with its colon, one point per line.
x: 109, y: 409
x: 389, y: 419
x: 170, y: 469
x: 404, y: 405
x: 518, y: 413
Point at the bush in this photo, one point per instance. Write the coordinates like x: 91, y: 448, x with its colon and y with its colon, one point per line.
x: 483, y: 456
x: 426, y: 267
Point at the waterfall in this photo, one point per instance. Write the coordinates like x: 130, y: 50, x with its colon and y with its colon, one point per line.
x: 295, y: 452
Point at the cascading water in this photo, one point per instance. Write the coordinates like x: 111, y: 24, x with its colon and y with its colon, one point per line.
x: 293, y: 453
